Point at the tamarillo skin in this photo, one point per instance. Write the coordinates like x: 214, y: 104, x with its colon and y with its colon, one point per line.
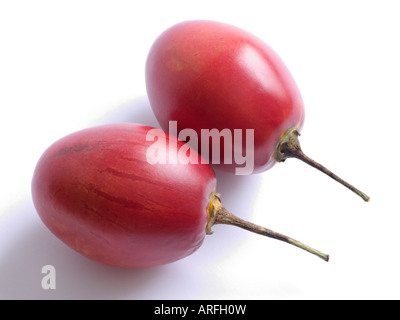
x: 207, y: 74
x: 95, y: 190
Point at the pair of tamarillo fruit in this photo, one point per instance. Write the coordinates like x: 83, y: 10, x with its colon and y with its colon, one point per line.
x: 106, y: 192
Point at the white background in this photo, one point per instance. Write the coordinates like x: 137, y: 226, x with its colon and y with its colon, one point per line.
x: 67, y: 65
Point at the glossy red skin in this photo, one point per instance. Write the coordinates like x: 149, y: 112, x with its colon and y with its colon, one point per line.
x: 206, y: 75
x: 95, y: 191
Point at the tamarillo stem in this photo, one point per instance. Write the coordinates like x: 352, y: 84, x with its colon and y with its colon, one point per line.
x: 289, y: 147
x: 217, y: 214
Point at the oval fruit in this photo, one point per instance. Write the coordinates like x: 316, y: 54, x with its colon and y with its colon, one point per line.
x: 131, y: 196
x: 207, y: 75
x: 96, y: 191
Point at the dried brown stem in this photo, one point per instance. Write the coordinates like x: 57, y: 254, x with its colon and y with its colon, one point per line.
x: 289, y: 147
x: 219, y: 215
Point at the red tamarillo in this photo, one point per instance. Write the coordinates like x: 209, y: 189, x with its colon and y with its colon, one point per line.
x: 100, y: 192
x: 211, y: 75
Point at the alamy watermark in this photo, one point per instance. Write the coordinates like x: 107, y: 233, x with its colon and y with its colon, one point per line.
x: 232, y: 147
x: 49, y: 280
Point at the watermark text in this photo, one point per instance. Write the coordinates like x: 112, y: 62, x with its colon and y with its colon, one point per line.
x: 232, y: 147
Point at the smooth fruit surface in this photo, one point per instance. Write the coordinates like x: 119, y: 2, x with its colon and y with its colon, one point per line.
x: 96, y: 191
x: 206, y: 74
